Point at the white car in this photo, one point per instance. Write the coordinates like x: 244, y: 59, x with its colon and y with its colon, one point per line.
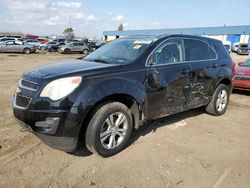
x: 17, y: 40
x: 235, y: 47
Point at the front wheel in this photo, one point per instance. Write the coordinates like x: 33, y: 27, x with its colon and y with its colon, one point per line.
x: 109, y: 129
x: 85, y: 52
x: 67, y: 51
x: 26, y: 51
x: 219, y: 102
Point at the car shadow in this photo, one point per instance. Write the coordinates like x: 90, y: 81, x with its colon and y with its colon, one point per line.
x: 152, y: 126
x: 241, y: 92
x: 149, y: 127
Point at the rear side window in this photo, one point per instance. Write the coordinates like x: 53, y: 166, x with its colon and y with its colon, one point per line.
x: 220, y: 49
x: 197, y: 50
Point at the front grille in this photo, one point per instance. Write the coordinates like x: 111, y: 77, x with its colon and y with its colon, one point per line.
x: 22, y: 101
x: 28, y: 85
x: 242, y: 78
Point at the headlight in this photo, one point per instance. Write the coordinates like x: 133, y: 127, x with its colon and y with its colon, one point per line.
x: 60, y: 88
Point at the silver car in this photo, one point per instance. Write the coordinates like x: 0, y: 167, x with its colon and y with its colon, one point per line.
x: 13, y: 46
x: 79, y: 47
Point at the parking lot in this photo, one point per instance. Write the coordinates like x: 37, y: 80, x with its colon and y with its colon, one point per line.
x: 190, y: 149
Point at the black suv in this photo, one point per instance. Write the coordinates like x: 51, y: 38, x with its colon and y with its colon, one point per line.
x: 118, y: 87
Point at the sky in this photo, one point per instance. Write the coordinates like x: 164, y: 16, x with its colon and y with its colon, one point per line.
x: 91, y: 17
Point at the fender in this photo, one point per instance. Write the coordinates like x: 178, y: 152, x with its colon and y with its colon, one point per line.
x: 96, y: 90
x: 222, y: 74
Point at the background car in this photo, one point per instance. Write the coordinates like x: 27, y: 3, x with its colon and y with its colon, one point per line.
x: 42, y: 40
x: 32, y: 42
x: 13, y: 46
x: 93, y: 45
x: 242, y: 49
x: 235, y: 47
x: 55, y: 47
x: 241, y: 78
x: 47, y: 45
x: 227, y: 45
x: 18, y: 40
x: 76, y: 47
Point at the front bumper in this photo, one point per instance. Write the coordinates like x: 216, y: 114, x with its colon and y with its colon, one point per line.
x: 67, y: 144
x: 243, y: 52
x: 57, y: 123
x: 57, y: 128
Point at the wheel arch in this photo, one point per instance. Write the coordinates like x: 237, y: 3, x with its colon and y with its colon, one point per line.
x: 225, y: 81
x: 103, y: 91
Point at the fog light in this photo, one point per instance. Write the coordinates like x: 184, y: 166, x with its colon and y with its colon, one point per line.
x: 48, y: 126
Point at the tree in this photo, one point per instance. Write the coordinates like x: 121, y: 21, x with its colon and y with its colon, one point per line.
x: 120, y: 28
x: 69, y: 33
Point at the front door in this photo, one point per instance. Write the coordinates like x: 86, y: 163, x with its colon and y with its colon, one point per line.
x: 8, y: 47
x: 167, y: 79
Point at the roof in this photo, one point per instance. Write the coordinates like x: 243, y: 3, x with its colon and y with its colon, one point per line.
x: 233, y: 30
x: 168, y: 36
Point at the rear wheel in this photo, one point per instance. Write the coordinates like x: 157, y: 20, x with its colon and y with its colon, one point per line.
x: 219, y: 102
x: 67, y: 51
x: 109, y: 129
x: 26, y: 51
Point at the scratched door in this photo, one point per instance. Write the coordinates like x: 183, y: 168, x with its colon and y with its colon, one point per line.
x: 167, y: 79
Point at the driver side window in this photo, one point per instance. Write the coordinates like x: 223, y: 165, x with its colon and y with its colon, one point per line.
x: 10, y: 43
x: 171, y: 51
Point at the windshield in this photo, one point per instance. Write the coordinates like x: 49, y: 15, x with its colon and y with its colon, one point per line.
x: 246, y: 63
x: 120, y: 51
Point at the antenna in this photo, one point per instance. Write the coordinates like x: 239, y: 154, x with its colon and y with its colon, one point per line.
x: 69, y: 21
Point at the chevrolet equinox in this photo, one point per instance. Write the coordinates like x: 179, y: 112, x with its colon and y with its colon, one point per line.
x: 104, y: 96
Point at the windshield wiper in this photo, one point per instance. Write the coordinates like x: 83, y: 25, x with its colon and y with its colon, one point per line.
x: 98, y: 60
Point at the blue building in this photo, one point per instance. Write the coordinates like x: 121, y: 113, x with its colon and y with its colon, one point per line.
x: 232, y: 34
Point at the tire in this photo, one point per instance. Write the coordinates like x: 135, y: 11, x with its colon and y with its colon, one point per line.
x: 67, y: 51
x: 26, y: 51
x: 43, y: 48
x: 103, y: 137
x: 218, y: 104
x: 85, y: 52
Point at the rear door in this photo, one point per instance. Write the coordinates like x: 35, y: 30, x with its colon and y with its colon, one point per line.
x: 167, y: 79
x: 77, y: 47
x: 203, y: 61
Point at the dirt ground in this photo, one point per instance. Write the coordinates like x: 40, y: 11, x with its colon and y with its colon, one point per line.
x: 191, y: 149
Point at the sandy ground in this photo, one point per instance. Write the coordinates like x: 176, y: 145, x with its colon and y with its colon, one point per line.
x: 191, y: 149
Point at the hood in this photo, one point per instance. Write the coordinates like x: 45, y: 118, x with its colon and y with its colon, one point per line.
x: 242, y: 70
x: 65, y: 68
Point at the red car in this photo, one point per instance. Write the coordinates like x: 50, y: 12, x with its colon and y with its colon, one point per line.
x: 241, y: 79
